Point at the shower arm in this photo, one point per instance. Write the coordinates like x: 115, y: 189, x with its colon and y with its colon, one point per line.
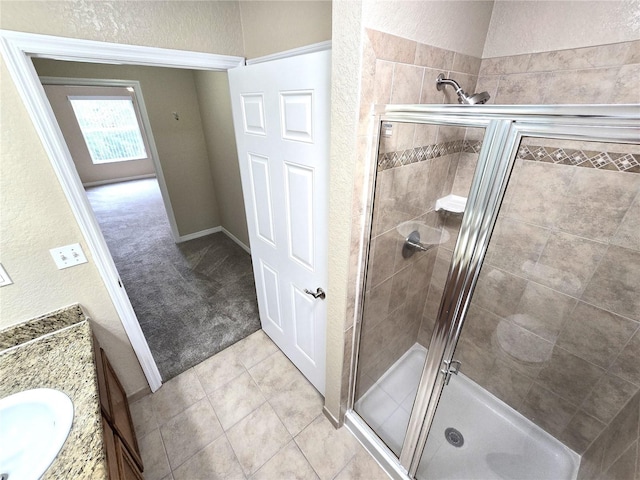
x: 441, y: 82
x: 463, y: 97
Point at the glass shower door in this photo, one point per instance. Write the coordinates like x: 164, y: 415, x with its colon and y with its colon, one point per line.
x: 423, y: 178
x: 547, y: 351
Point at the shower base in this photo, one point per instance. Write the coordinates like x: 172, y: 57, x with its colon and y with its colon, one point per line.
x: 486, y: 438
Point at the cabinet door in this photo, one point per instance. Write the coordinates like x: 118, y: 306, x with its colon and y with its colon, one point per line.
x: 102, y: 382
x: 126, y: 465
x: 120, y: 415
x: 110, y: 449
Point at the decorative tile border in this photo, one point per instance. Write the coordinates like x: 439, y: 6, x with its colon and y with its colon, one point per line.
x: 621, y: 162
x: 617, y: 162
x: 420, y: 154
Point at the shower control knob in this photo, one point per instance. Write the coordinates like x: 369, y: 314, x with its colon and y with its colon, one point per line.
x: 319, y: 293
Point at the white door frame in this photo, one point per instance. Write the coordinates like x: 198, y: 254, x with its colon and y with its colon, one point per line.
x: 146, y: 123
x: 17, y: 49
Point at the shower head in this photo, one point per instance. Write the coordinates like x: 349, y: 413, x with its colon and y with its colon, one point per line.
x: 463, y: 97
x: 476, y: 98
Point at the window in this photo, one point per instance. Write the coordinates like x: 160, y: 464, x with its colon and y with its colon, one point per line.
x: 110, y: 128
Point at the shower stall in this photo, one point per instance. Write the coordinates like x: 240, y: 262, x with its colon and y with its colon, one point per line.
x: 499, y: 303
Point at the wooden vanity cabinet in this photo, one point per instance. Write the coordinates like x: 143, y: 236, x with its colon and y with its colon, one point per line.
x: 127, y: 467
x: 123, y: 454
x: 120, y: 465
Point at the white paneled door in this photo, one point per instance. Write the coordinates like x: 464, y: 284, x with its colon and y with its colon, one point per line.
x: 281, y: 120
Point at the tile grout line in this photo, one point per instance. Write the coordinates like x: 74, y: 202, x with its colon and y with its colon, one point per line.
x: 267, y: 401
x: 224, y: 431
x: 159, y: 426
x: 300, y: 448
x: 321, y: 415
x: 164, y: 450
x: 291, y: 436
x: 235, y: 455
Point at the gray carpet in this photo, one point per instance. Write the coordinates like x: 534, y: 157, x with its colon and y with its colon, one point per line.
x: 192, y: 299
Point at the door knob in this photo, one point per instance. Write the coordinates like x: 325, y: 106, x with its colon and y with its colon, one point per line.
x: 319, y: 293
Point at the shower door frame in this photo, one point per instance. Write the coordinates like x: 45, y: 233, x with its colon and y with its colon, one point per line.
x: 505, y: 126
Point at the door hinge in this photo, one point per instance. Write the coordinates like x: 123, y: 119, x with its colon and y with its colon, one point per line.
x: 451, y: 367
x: 119, y: 283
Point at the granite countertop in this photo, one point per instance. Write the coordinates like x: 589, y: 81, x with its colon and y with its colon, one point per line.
x: 56, y: 351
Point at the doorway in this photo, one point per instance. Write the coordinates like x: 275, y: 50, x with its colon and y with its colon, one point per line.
x: 193, y: 294
x: 18, y: 49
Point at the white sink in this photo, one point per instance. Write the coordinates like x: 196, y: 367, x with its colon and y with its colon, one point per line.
x: 34, y: 425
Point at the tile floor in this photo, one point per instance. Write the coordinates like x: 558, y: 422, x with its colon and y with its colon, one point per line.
x: 245, y: 413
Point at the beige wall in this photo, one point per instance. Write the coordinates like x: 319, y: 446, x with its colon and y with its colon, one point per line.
x: 35, y: 213
x: 36, y: 217
x: 460, y: 26
x: 181, y: 144
x: 87, y: 170
x: 346, y: 61
x: 404, y: 71
x: 201, y: 26
x: 538, y: 26
x: 275, y: 26
x: 217, y: 121
x: 550, y: 330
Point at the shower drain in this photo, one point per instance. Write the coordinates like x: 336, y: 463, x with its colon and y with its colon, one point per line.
x: 454, y: 437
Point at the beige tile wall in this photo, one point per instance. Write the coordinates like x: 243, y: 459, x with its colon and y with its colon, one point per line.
x: 553, y: 328
x: 602, y: 74
x: 556, y: 307
x: 614, y: 454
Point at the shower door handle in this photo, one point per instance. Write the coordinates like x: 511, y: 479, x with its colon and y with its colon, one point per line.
x: 319, y: 293
x: 452, y: 367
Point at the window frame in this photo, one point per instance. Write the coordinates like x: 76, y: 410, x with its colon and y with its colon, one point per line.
x: 138, y: 117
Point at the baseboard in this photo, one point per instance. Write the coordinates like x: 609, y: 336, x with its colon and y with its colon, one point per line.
x: 118, y: 180
x: 333, y: 420
x: 236, y: 239
x: 209, y: 231
x: 138, y: 395
x: 201, y: 233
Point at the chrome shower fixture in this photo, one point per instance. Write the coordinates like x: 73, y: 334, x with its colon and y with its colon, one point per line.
x: 463, y: 97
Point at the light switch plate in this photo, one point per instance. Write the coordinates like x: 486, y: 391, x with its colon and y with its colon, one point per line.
x: 4, y: 277
x: 68, y: 256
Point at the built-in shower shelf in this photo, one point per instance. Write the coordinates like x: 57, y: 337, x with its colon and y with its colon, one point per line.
x: 451, y: 204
